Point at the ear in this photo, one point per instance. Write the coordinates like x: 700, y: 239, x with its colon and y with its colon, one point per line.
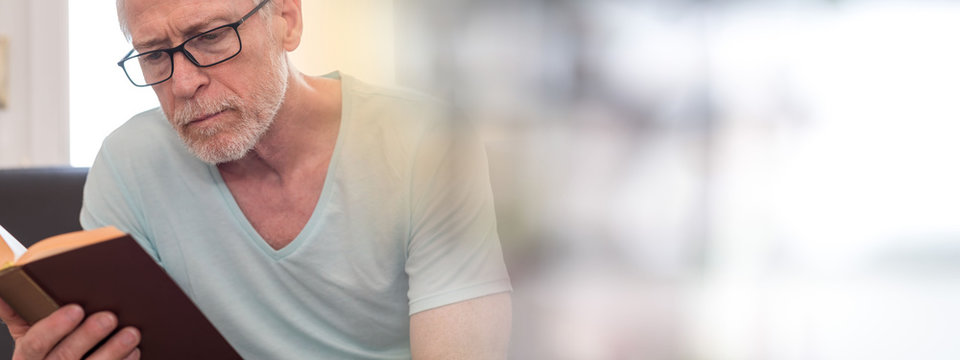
x: 292, y: 16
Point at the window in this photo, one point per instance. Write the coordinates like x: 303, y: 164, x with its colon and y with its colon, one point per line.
x: 101, y: 97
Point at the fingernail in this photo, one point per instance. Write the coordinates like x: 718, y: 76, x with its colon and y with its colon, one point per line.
x: 128, y: 336
x: 107, y: 320
x: 74, y: 312
x: 135, y: 354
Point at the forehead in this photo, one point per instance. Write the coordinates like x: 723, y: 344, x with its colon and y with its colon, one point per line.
x: 151, y: 20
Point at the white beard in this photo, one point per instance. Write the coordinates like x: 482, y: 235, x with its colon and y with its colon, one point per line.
x: 225, y: 141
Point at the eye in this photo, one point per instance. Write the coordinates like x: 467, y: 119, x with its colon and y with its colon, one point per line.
x: 210, y: 36
x: 152, y: 57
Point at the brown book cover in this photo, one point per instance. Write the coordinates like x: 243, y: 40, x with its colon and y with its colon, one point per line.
x: 119, y: 276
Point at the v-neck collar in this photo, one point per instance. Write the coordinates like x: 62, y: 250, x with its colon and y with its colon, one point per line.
x: 305, y: 234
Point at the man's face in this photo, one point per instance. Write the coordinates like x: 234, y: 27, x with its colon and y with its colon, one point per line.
x: 220, y: 112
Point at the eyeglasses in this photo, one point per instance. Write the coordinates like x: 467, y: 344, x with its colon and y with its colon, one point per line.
x: 206, y: 49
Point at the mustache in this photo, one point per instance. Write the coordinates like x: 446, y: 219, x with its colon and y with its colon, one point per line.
x: 200, y: 108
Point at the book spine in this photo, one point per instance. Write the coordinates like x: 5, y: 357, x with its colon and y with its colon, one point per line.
x: 23, y: 294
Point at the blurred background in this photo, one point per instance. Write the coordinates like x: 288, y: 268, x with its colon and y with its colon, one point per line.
x: 700, y: 179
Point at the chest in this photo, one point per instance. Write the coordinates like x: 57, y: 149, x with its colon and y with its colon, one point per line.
x: 341, y: 260
x: 277, y: 213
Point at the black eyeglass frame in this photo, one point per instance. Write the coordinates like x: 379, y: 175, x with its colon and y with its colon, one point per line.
x: 180, y: 48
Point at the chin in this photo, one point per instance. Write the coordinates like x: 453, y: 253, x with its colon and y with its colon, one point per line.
x: 222, y: 148
x: 218, y: 155
x: 230, y: 145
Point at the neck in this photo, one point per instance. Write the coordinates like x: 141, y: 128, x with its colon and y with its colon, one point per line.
x: 302, y: 136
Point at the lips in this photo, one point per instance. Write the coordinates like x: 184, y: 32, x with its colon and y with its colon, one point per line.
x: 203, y: 118
x: 199, y: 111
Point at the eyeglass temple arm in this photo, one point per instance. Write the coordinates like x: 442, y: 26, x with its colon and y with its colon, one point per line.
x: 254, y: 11
x: 125, y: 57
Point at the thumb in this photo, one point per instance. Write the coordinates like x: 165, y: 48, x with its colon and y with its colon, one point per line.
x: 15, y: 324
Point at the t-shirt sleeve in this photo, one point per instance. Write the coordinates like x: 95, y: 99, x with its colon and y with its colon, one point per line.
x: 454, y: 251
x: 109, y: 201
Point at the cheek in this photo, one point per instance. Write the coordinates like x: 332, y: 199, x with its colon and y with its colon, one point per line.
x: 167, y: 103
x: 163, y: 93
x: 169, y: 109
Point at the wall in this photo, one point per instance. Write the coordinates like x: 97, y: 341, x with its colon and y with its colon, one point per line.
x: 34, y: 128
x: 355, y: 37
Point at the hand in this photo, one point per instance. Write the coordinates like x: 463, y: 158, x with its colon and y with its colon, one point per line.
x: 65, y: 334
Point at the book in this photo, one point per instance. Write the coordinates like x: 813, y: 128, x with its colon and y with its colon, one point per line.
x: 106, y: 269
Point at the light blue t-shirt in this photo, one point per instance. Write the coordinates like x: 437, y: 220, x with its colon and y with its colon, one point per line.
x: 405, y: 223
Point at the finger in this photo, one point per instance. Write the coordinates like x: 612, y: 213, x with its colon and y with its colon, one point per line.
x: 46, y: 333
x: 120, y: 345
x: 94, y: 329
x: 17, y: 325
x: 133, y: 355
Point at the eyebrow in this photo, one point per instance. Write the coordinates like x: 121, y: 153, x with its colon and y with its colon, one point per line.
x: 149, y: 44
x: 190, y: 30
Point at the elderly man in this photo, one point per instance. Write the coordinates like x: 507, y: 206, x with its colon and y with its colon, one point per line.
x: 307, y: 217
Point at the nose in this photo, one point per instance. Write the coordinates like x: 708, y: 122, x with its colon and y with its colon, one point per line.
x: 187, y: 78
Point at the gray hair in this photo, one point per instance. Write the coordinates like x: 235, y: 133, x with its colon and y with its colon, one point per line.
x: 124, y: 27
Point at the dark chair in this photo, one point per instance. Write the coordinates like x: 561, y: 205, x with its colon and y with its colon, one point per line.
x: 36, y: 203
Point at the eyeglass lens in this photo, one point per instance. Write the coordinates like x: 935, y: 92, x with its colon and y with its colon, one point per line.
x: 205, y: 49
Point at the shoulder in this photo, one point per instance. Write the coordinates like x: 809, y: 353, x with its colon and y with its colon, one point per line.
x: 391, y: 124
x: 385, y: 94
x: 145, y: 136
x: 402, y: 110
x: 142, y: 130
x: 405, y: 115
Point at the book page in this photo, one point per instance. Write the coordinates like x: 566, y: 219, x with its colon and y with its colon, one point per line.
x: 10, y: 248
x: 65, y: 242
